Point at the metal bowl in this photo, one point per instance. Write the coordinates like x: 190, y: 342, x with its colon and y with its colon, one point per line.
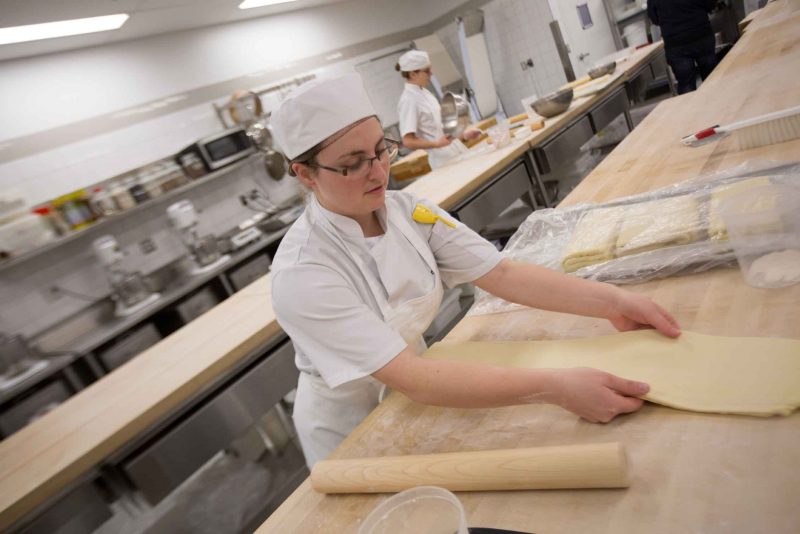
x: 602, y: 70
x: 554, y: 103
x: 455, y: 114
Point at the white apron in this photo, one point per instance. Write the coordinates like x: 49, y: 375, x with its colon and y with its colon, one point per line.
x: 323, y: 416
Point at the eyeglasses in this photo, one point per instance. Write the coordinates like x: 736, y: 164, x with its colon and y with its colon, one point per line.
x: 364, y: 166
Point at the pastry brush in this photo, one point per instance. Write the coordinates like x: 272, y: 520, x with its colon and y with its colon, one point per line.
x: 776, y: 127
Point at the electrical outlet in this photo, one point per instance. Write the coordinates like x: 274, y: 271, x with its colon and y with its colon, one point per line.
x: 147, y: 245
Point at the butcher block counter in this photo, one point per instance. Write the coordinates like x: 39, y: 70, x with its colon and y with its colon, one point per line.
x: 690, y: 472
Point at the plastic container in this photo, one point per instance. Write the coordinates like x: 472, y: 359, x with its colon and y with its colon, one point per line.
x: 763, y: 227
x: 54, y: 218
x: 25, y: 233
x: 151, y: 181
x: 500, y: 134
x: 421, y: 510
x: 102, y: 202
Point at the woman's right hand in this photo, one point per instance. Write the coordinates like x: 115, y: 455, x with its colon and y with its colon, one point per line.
x: 595, y: 395
x: 443, y: 141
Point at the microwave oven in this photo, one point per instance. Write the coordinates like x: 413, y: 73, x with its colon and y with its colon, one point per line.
x: 218, y: 150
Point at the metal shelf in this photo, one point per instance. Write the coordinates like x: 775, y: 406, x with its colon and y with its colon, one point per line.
x: 152, y: 203
x: 630, y: 14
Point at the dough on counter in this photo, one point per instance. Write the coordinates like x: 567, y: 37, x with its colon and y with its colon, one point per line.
x: 696, y: 372
x: 593, y: 238
x: 760, y: 202
x: 778, y: 269
x: 659, y: 223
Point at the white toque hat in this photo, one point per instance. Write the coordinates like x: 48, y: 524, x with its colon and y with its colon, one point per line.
x: 414, y: 60
x: 318, y: 109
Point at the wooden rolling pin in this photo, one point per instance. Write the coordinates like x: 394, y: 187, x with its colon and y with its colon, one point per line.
x: 517, y: 118
x: 578, y: 82
x: 598, y: 465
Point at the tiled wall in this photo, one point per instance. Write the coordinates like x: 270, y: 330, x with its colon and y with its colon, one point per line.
x: 515, y: 31
x: 28, y: 307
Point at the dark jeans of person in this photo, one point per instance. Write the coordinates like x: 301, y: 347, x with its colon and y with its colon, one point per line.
x: 690, y: 59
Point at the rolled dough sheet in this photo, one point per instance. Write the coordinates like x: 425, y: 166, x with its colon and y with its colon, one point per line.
x: 696, y: 372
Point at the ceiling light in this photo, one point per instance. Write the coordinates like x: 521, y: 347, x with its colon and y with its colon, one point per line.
x: 62, y: 28
x: 247, y: 4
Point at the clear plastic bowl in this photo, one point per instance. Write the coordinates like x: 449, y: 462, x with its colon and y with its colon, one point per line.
x: 764, y: 231
x: 421, y: 510
x: 500, y: 134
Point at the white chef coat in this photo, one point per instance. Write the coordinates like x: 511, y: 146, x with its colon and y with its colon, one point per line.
x: 421, y: 114
x: 333, y: 314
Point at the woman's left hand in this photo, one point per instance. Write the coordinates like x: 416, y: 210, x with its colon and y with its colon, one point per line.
x: 631, y: 311
x: 472, y: 134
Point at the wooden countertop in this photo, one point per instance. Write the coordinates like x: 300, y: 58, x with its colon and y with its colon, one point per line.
x: 691, y: 472
x: 47, y: 455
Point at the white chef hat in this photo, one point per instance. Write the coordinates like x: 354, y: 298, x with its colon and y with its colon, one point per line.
x: 414, y: 60
x: 318, y: 109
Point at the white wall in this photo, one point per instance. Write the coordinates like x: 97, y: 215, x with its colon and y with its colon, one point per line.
x: 60, y: 89
x: 67, y: 87
x: 49, y: 173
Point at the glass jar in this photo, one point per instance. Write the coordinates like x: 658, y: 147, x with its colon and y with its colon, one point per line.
x: 192, y: 165
x: 136, y: 190
x: 152, y: 182
x: 102, y: 202
x: 122, y: 197
x: 173, y: 177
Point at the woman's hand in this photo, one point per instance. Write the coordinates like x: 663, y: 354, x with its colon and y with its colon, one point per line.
x: 472, y: 134
x: 631, y: 311
x: 443, y: 141
x: 595, y: 395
